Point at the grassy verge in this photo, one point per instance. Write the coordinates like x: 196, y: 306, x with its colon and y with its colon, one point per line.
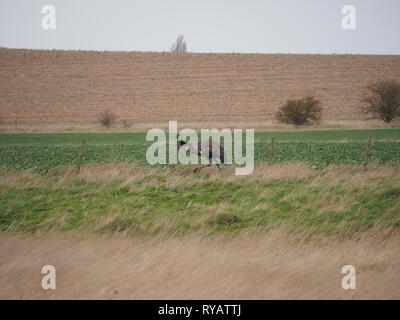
x: 343, y: 201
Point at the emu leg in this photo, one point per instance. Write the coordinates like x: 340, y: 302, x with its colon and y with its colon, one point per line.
x: 197, y: 169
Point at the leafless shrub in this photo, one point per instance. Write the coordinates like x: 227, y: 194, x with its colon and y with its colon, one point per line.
x: 179, y: 45
x: 383, y: 102
x: 107, y: 119
x: 301, y: 111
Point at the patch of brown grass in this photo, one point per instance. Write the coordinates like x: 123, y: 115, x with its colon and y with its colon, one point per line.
x: 182, y: 175
x: 22, y: 179
x: 272, y: 266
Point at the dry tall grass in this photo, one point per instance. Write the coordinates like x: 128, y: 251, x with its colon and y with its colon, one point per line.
x: 127, y: 173
x: 273, y: 266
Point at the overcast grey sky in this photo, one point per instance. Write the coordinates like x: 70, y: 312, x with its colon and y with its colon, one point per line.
x: 260, y: 26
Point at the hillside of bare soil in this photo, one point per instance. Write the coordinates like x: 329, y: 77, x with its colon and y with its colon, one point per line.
x: 56, y: 87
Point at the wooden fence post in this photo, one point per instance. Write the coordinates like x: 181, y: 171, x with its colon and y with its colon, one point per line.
x: 80, y: 158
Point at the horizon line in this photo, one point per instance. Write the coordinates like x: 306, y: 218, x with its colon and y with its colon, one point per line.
x: 189, y: 52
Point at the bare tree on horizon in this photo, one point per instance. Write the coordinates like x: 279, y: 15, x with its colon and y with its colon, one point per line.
x: 179, y: 45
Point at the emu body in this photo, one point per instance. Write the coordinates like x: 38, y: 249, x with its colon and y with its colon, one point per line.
x: 208, y: 149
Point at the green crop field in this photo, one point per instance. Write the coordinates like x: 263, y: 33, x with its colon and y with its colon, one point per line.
x: 319, y: 149
x: 318, y: 155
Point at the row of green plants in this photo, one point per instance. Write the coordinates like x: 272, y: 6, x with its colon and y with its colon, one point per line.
x: 317, y: 154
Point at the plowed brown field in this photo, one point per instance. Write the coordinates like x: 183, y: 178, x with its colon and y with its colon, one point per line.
x: 77, y: 86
